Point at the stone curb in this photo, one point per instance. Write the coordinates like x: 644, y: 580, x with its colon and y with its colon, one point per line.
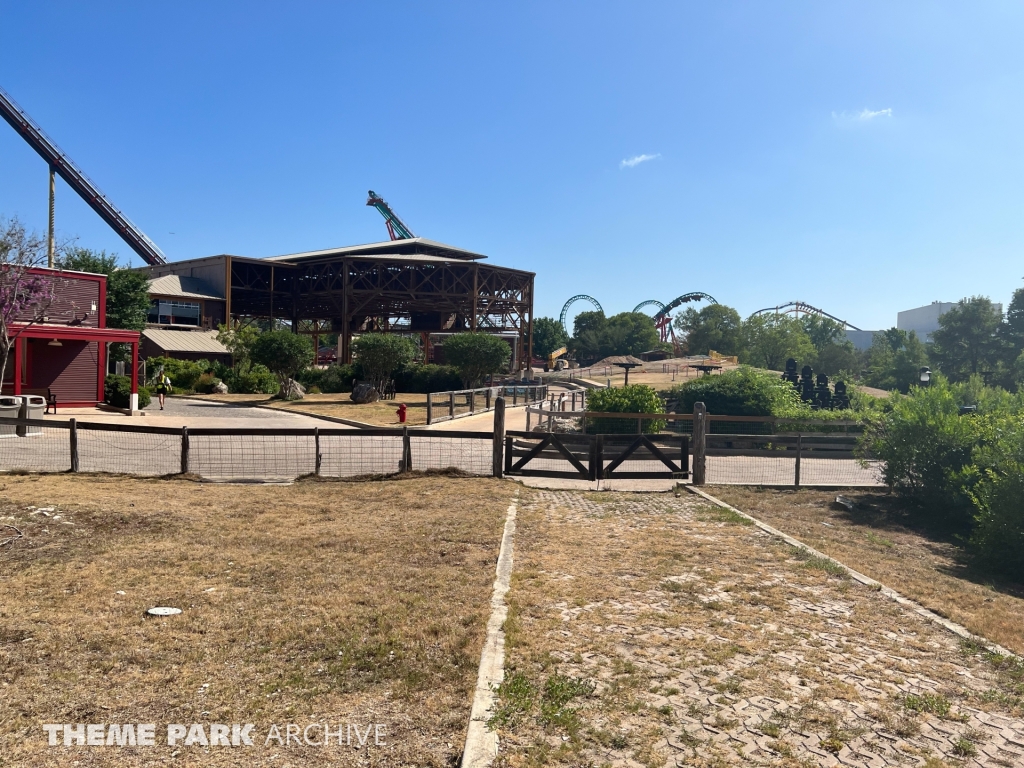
x: 892, y: 594
x: 481, y: 743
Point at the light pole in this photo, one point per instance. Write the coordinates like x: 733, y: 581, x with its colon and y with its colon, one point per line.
x: 926, y: 376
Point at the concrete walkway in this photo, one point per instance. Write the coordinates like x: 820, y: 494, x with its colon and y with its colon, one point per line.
x: 185, y: 412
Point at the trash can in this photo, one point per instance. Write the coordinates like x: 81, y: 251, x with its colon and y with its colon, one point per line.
x: 32, y: 407
x: 10, y: 408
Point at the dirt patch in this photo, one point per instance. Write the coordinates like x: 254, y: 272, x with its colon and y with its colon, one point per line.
x: 880, y: 540
x: 654, y: 630
x: 357, y: 603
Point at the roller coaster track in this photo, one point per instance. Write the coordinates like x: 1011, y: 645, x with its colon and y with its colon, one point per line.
x: 798, y: 307
x: 573, y: 300
x: 649, y: 303
x: 75, y: 177
x: 684, y: 299
x: 396, y: 227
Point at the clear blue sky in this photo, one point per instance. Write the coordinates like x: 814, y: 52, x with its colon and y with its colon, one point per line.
x: 865, y: 157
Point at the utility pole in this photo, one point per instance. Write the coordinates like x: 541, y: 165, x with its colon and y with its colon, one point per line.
x: 49, y: 243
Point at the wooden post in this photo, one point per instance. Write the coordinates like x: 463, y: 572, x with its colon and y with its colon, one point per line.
x: 316, y: 449
x: 527, y: 417
x: 406, y: 450
x: 796, y: 469
x: 699, y: 443
x: 684, y: 455
x: 472, y: 401
x: 184, y: 450
x: 451, y: 405
x: 499, y: 437
x: 430, y: 408
x: 515, y: 394
x: 599, y: 456
x: 508, y: 454
x: 73, y: 433
x: 487, y: 399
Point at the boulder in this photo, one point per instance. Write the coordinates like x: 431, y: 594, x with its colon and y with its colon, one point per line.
x: 291, y: 390
x: 220, y: 388
x: 364, y: 392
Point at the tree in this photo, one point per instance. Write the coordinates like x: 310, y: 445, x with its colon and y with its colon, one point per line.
x: 24, y: 297
x: 895, y: 360
x: 587, y: 333
x: 548, y: 335
x: 239, y: 341
x: 127, y: 290
x: 771, y: 339
x: 381, y: 354
x: 475, y: 355
x: 967, y: 339
x: 630, y: 333
x: 833, y: 351
x: 284, y: 353
x: 627, y: 333
x: 716, y: 327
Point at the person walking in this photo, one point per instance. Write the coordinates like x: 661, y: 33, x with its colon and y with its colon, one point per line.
x: 163, y: 386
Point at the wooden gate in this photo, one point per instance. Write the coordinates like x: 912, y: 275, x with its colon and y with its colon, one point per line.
x: 597, y: 457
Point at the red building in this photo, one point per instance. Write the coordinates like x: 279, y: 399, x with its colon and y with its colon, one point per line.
x: 65, y: 354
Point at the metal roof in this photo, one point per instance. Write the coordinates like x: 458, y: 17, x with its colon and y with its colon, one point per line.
x: 178, y: 285
x: 431, y: 247
x: 186, y: 341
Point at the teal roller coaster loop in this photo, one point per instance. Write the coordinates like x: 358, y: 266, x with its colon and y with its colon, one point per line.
x: 649, y: 303
x: 573, y: 300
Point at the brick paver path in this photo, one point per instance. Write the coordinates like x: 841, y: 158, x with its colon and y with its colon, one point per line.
x: 713, y: 644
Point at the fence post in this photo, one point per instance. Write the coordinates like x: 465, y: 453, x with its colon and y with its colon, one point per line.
x: 487, y: 399
x: 316, y: 449
x: 430, y: 408
x: 184, y: 450
x: 699, y: 443
x: 451, y: 405
x: 515, y: 394
x: 527, y: 417
x: 472, y: 401
x: 599, y: 456
x: 508, y: 454
x: 499, y: 437
x: 406, y: 450
x: 796, y: 470
x: 684, y: 455
x: 73, y: 436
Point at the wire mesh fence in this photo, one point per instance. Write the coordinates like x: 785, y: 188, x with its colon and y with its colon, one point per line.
x: 131, y: 453
x: 782, y: 470
x: 730, y: 456
x: 46, y: 451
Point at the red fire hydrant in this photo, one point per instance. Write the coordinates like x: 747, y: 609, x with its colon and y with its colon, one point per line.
x: 401, y: 413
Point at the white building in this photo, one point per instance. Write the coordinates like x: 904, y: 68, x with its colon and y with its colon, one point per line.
x: 925, y: 320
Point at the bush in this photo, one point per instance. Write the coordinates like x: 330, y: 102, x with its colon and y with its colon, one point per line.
x: 206, y: 384
x: 117, y: 392
x: 998, y: 538
x: 742, y: 392
x: 334, y: 378
x: 475, y: 355
x: 381, y: 354
x: 283, y: 353
x: 636, y: 398
x: 928, y: 449
x: 183, y: 373
x: 256, y: 380
x: 426, y: 378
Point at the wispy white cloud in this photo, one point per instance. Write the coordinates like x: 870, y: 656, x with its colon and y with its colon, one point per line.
x: 633, y: 162
x: 864, y: 116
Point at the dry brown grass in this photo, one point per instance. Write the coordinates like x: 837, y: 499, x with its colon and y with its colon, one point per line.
x: 320, y: 601
x: 646, y: 629
x: 381, y: 413
x: 879, y: 541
